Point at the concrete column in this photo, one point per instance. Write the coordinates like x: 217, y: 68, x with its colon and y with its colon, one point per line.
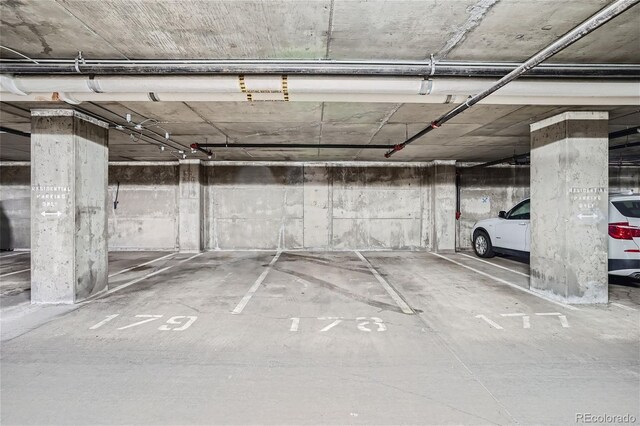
x: 69, y: 160
x: 443, y: 207
x: 190, y: 206
x: 569, y: 207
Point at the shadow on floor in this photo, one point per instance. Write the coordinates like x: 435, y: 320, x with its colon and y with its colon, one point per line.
x: 613, y: 279
x: 519, y: 259
x: 626, y: 281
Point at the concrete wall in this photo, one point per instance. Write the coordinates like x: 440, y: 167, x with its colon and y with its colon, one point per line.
x: 315, y: 207
x: 145, y: 219
x: 147, y: 214
x: 486, y: 191
x: 310, y: 207
x: 377, y: 207
x: 253, y: 207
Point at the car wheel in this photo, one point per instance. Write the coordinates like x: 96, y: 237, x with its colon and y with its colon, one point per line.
x: 482, y: 245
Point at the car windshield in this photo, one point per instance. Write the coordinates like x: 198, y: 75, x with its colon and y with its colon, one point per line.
x: 628, y: 208
x: 521, y: 211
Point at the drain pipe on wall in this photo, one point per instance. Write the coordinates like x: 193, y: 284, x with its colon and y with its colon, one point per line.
x: 594, y: 22
x: 458, y: 212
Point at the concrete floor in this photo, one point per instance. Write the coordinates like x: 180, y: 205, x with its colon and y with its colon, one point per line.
x: 315, y: 338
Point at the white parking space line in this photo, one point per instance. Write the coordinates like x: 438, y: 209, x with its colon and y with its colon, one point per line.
x: 142, y: 264
x: 15, y: 254
x: 394, y: 295
x: 137, y: 280
x: 621, y: 306
x: 238, y: 309
x: 491, y: 323
x: 573, y: 308
x: 563, y: 319
x: 493, y: 264
x: 526, y: 319
x: 15, y: 272
x: 103, y: 322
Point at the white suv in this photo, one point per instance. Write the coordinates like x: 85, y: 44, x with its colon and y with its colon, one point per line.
x: 624, y: 234
x: 510, y: 233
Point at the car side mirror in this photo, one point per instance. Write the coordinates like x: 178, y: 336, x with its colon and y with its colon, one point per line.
x: 502, y: 214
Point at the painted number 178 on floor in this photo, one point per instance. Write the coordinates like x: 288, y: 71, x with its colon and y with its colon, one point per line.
x: 366, y: 324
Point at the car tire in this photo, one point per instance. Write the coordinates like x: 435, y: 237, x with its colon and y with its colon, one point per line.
x: 482, y: 245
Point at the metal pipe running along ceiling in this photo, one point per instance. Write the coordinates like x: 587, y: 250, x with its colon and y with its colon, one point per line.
x: 613, y: 135
x: 285, y: 145
x: 591, y: 24
x: 431, y: 68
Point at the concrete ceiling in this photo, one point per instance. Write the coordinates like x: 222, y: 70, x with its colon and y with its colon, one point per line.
x: 484, y: 133
x: 484, y: 30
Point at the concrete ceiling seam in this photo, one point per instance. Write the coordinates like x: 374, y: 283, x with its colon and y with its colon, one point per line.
x: 212, y: 124
x: 280, y: 129
x: 88, y: 28
x: 383, y: 122
x: 329, y: 29
x: 476, y: 13
x: 206, y: 120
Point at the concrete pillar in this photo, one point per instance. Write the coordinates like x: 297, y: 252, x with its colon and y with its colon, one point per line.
x: 190, y: 206
x: 569, y: 207
x: 69, y: 160
x: 443, y: 207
